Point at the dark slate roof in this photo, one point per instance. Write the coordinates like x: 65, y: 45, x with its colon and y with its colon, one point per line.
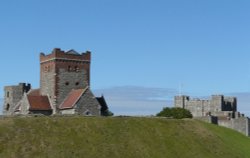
x: 72, y: 51
x: 72, y: 98
x: 103, y: 103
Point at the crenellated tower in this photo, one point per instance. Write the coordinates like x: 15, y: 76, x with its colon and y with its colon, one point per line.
x: 60, y: 72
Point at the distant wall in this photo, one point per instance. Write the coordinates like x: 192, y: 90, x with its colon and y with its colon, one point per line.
x: 240, y: 124
x: 248, y: 127
x: 217, y: 105
x: 209, y: 119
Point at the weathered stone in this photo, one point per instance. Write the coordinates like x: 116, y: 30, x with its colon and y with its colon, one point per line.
x: 219, y: 110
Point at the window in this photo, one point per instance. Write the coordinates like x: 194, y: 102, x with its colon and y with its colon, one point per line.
x: 69, y: 68
x: 77, y: 83
x: 66, y: 83
x: 76, y: 69
x: 87, y: 113
x: 7, y: 107
x: 8, y: 94
x: 48, y: 68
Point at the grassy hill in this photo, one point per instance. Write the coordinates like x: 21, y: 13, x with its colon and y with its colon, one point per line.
x: 92, y: 137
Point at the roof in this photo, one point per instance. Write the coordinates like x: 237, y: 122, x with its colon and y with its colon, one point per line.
x: 102, y: 102
x: 72, y: 98
x: 72, y: 51
x: 39, y: 102
x: 34, y: 92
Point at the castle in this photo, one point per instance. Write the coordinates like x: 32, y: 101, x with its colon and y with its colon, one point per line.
x: 64, y: 88
x: 219, y: 110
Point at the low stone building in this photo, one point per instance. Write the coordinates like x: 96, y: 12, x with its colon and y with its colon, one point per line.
x: 219, y: 110
x: 64, y: 88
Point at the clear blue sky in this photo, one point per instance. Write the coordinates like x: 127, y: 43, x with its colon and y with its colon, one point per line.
x: 203, y: 45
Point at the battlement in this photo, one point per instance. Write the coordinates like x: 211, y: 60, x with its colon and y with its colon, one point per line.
x: 12, y: 95
x: 202, y: 107
x: 72, y: 55
x: 21, y: 87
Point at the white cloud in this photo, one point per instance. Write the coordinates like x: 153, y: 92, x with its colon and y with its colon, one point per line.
x: 134, y: 100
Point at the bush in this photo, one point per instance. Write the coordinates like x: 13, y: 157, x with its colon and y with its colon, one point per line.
x: 177, y: 113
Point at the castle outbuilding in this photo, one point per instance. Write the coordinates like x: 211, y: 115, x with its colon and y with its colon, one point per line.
x: 218, y: 110
x: 64, y: 87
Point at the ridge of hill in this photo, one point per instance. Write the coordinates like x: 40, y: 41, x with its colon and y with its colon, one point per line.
x: 127, y: 137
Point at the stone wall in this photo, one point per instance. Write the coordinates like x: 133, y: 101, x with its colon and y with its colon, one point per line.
x: 24, y: 105
x: 214, y: 106
x: 68, y: 111
x: 13, y: 94
x: 240, y: 124
x: 68, y: 81
x: 248, y: 132
x: 88, y: 105
x: 209, y: 119
x: 63, y: 71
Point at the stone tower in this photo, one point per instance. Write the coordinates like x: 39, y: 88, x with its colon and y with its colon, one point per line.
x: 60, y: 72
x: 12, y: 95
x: 180, y: 101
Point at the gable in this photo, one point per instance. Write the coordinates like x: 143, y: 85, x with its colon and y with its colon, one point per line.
x: 72, y: 98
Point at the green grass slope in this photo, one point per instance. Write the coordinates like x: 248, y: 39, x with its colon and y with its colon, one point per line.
x: 94, y: 137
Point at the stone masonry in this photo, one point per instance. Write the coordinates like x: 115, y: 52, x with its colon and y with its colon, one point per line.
x: 64, y: 87
x: 12, y: 95
x: 218, y: 110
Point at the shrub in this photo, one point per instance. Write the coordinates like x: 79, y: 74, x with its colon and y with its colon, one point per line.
x: 177, y: 113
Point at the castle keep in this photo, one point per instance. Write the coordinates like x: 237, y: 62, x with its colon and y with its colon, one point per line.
x: 218, y: 110
x: 64, y: 88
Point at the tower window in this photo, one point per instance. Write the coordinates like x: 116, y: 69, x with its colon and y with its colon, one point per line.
x: 8, y: 94
x: 77, y: 83
x: 76, y: 69
x: 66, y: 83
x: 69, y: 68
x: 7, y: 107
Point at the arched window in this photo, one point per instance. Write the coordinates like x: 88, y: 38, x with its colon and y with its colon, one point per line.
x: 87, y: 113
x: 7, y: 107
x: 8, y: 94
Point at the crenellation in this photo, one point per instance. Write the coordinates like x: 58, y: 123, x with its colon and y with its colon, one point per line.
x: 224, y: 109
x: 63, y: 78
